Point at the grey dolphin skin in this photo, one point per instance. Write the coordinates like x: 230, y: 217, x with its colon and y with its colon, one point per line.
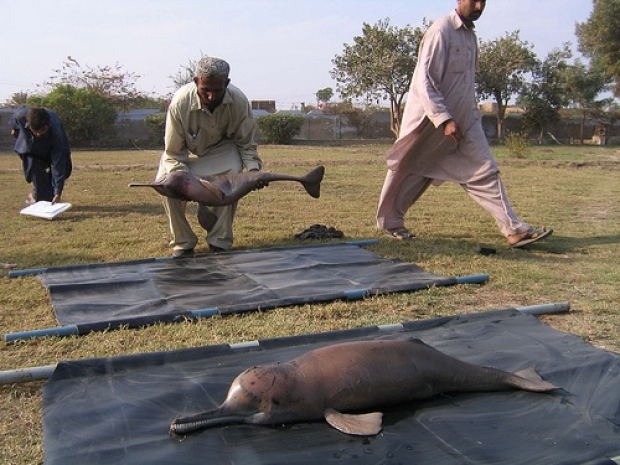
x: 225, y: 189
x: 352, y: 376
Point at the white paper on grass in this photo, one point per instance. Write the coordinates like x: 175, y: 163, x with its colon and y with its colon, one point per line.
x: 45, y: 209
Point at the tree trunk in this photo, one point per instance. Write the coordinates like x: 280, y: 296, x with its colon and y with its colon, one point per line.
x: 395, y: 117
x: 582, y: 126
x: 500, y: 115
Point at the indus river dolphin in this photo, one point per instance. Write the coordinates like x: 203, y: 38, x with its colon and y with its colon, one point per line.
x: 351, y: 377
x: 225, y: 189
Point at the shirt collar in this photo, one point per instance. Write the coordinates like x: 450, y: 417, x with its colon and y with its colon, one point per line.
x: 195, y: 100
x: 458, y: 23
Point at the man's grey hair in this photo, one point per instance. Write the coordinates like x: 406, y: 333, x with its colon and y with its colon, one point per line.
x: 212, y: 67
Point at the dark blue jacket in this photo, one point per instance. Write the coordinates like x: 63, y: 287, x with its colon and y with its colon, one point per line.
x: 53, y: 148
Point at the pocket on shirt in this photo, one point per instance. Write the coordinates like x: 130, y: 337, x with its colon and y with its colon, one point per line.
x: 459, y: 59
x: 191, y: 140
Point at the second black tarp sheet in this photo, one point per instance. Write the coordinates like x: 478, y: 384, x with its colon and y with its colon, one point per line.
x: 118, y: 410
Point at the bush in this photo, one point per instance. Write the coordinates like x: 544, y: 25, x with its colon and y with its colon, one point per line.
x: 87, y: 115
x: 156, y: 124
x: 517, y: 145
x: 279, y: 128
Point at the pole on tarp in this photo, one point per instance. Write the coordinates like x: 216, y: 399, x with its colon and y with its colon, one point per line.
x: 545, y: 309
x: 363, y: 242
x: 472, y: 279
x: 59, y: 331
x: 44, y: 372
x: 23, y: 375
x: 29, y: 272
x: 36, y: 271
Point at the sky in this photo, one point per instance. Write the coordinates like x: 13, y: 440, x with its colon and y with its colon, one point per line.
x: 278, y: 50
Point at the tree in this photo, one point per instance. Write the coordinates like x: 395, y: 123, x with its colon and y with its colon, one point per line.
x: 379, y: 66
x: 86, y: 114
x: 502, y: 68
x: 156, y: 124
x: 112, y: 82
x: 17, y: 99
x: 323, y: 96
x: 546, y: 94
x: 584, y: 84
x: 185, y: 75
x: 599, y: 38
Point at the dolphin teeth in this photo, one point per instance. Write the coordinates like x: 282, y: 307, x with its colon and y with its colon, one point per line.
x: 183, y: 428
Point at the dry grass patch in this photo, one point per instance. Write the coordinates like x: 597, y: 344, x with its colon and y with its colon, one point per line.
x: 575, y: 190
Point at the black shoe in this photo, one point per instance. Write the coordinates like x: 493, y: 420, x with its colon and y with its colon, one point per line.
x: 216, y: 249
x: 183, y: 253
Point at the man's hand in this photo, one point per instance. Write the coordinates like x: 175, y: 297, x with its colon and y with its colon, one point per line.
x: 452, y: 131
x: 56, y: 199
x: 260, y: 184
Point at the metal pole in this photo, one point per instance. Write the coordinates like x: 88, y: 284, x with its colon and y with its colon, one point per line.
x: 59, y: 331
x: 545, y: 309
x: 23, y: 375
x: 473, y: 279
x: 44, y: 372
x: 35, y: 271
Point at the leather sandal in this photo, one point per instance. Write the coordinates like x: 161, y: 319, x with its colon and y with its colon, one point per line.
x: 531, y: 236
x: 402, y: 234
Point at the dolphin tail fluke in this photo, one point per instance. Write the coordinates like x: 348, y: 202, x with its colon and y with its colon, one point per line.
x: 312, y: 181
x: 529, y: 380
x: 368, y: 424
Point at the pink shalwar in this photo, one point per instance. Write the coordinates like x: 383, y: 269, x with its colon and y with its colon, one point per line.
x: 443, y: 88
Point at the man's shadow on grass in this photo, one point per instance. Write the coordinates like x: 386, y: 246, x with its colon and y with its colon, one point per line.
x: 90, y: 211
x: 560, y: 244
x: 466, y: 245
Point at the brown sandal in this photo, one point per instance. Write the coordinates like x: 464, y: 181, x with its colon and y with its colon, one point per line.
x: 532, y: 236
x: 402, y: 234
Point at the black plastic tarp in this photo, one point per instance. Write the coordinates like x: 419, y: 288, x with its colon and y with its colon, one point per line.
x: 118, y: 410
x: 227, y: 283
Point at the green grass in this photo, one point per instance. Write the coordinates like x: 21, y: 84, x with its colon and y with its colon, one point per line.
x: 575, y: 190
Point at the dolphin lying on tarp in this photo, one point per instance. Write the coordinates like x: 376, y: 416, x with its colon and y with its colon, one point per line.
x: 225, y: 189
x: 351, y: 377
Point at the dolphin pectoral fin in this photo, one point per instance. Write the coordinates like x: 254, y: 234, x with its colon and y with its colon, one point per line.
x: 206, y: 217
x: 367, y: 424
x: 214, y: 190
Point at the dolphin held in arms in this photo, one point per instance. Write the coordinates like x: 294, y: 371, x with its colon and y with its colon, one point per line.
x: 225, y: 189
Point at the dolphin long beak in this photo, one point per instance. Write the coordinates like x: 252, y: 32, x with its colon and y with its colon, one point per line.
x: 209, y: 419
x: 157, y: 185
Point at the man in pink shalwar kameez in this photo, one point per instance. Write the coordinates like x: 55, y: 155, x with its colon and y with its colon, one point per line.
x: 441, y: 136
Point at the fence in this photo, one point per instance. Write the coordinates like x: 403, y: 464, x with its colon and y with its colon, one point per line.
x: 349, y: 128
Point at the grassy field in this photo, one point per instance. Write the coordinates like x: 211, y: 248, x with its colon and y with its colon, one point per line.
x: 575, y: 190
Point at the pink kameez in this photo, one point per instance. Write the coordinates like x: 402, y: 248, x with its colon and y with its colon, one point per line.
x: 443, y: 88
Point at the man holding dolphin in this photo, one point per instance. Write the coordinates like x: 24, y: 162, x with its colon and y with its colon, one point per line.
x: 209, y: 130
